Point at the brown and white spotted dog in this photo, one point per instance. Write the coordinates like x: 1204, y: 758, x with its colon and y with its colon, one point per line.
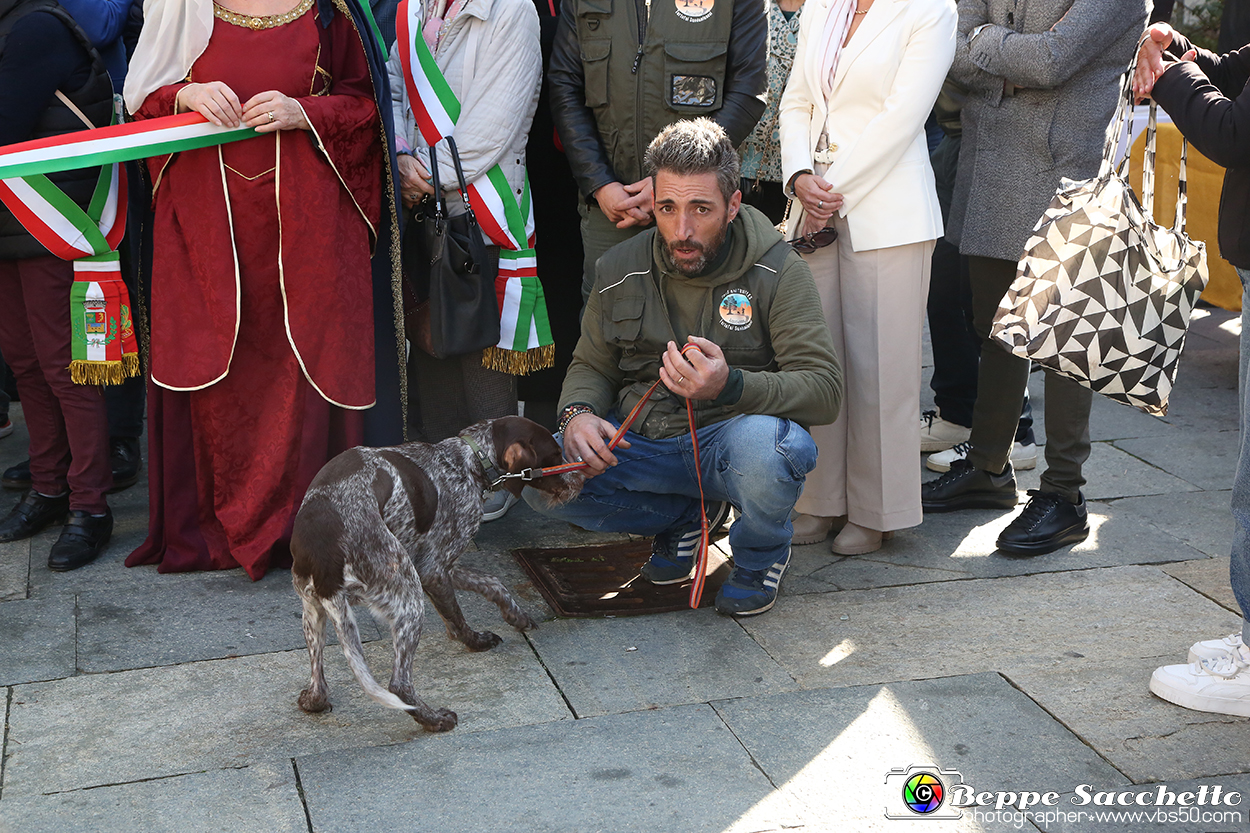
x: 381, y: 525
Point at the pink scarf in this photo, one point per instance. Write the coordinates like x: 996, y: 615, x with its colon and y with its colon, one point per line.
x: 838, y: 23
x: 437, y: 14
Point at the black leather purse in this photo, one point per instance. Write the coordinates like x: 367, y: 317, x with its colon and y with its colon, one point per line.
x: 451, y: 272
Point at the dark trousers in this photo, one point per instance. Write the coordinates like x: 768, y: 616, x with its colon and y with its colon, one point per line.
x: 62, y: 417
x: 956, y: 345
x: 1002, y: 380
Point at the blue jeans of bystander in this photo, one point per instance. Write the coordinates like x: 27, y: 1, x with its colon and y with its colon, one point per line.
x: 757, y: 463
x: 1239, y: 572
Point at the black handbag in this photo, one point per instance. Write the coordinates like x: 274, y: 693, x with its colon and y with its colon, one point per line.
x: 451, y: 271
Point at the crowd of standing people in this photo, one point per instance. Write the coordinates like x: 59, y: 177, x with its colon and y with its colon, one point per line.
x: 766, y: 192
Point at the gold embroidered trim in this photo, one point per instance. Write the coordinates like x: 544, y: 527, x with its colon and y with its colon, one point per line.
x: 249, y: 178
x: 270, y: 21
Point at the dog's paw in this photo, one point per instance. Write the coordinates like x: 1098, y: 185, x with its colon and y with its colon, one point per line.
x: 483, y: 641
x: 442, y: 720
x: 314, y: 703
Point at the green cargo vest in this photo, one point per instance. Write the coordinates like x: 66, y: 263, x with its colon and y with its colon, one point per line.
x: 636, y: 321
x: 636, y: 89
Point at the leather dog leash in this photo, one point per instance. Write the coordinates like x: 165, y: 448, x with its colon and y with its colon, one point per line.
x: 700, y: 570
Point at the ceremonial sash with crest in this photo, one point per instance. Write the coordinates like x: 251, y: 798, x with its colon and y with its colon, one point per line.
x: 525, y: 342
x: 103, y: 342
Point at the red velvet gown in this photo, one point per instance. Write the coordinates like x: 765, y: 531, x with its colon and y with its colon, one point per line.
x: 261, y: 312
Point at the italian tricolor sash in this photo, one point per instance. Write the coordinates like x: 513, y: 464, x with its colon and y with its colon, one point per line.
x: 525, y: 341
x: 104, y: 348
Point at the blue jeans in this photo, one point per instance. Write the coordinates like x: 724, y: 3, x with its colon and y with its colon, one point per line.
x: 1239, y: 570
x: 757, y: 463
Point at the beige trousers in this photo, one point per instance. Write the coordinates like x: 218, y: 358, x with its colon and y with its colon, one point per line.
x: 874, y: 302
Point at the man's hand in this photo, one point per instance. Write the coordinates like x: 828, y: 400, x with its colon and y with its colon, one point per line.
x: 586, y: 441
x: 1150, y: 60
x: 696, y: 374
x: 626, y: 205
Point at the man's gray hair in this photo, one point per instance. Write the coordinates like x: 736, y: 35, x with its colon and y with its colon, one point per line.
x: 695, y: 146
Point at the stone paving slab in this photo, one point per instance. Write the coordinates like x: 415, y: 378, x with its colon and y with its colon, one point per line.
x: 1208, y: 460
x: 641, y: 662
x: 675, y: 769
x: 1209, y: 577
x: 37, y: 641
x: 1200, y: 519
x: 14, y: 570
x: 859, y: 637
x: 1172, y: 818
x: 833, y: 750
x: 957, y: 545
x: 1106, y: 699
x: 262, y: 798
x: 211, y: 617
x: 1111, y: 473
x: 132, y: 725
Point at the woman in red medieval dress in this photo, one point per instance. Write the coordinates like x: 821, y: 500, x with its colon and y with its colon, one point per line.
x: 261, y: 293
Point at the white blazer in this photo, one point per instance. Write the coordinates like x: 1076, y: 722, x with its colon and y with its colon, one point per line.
x: 888, y: 78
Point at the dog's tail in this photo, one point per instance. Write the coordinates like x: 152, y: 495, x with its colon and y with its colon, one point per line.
x: 344, y: 620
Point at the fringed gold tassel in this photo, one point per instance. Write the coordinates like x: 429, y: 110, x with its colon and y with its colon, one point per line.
x: 519, y: 363
x: 83, y: 372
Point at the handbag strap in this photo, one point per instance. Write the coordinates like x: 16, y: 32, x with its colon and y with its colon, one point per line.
x: 464, y: 187
x: 440, y: 203
x: 1122, y: 128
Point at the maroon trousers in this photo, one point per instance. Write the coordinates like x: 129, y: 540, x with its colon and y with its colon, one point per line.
x: 65, y: 420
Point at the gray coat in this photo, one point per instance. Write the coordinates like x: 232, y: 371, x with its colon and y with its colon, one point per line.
x: 1064, y: 60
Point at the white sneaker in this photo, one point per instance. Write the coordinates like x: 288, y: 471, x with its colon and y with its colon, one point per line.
x: 7, y: 428
x: 1220, y: 686
x: 1023, y: 457
x: 1230, y: 646
x: 936, y: 434
x: 496, y: 504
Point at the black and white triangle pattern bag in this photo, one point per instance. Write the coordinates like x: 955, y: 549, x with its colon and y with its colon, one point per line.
x: 1102, y: 294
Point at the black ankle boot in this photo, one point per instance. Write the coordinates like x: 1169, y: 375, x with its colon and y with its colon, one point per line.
x: 33, y: 514
x: 82, y: 539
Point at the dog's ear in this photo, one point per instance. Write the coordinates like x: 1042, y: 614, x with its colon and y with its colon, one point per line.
x: 517, y: 457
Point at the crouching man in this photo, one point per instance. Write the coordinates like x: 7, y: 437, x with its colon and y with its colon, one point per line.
x: 716, y: 274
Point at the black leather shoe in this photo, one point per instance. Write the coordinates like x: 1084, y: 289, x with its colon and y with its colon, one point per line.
x: 82, y: 539
x: 967, y: 487
x: 16, y: 477
x: 1049, y: 522
x: 124, y: 460
x: 33, y: 514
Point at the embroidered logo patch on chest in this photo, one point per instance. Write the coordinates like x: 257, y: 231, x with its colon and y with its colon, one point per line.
x: 735, y: 310
x: 694, y: 10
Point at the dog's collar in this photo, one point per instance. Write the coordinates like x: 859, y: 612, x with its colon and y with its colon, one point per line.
x: 492, y: 473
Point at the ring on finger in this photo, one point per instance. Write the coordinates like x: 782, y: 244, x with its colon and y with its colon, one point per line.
x: 271, y: 118
x: 819, y: 203
x: 580, y: 460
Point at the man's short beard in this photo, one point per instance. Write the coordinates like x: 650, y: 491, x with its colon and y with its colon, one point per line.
x: 708, y: 253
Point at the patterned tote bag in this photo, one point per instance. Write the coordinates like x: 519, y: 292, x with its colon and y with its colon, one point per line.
x: 1103, y: 294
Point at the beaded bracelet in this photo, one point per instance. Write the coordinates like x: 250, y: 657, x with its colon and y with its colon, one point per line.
x: 572, y: 411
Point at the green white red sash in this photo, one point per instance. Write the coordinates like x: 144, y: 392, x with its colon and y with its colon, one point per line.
x: 525, y: 341
x: 103, y: 342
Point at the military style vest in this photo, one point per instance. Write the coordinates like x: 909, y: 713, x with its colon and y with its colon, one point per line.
x: 644, y: 73
x: 636, y: 320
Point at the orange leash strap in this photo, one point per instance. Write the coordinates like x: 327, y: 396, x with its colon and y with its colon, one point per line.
x: 700, y: 568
